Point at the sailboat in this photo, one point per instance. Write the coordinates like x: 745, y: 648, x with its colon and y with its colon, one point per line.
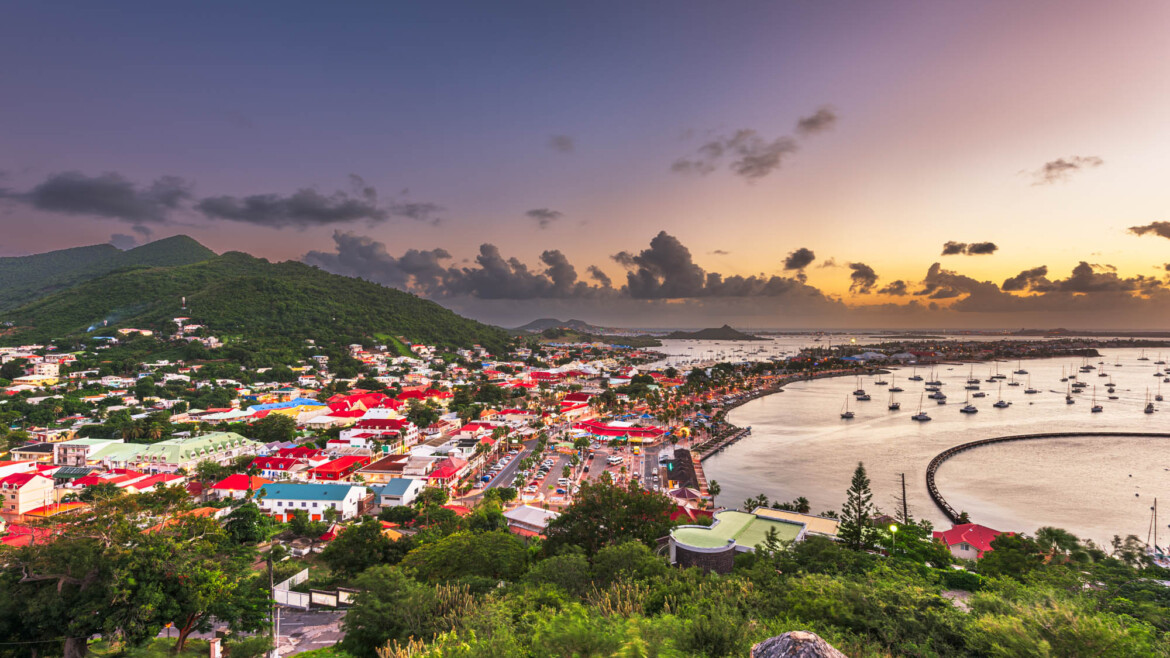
x: 914, y: 376
x: 860, y: 390
x: 1068, y: 398
x: 895, y: 388
x: 1143, y: 357
x: 1020, y: 368
x: 1063, y: 375
x: 921, y: 415
x: 1158, y: 395
x: 1013, y: 381
x: 1157, y: 555
x: 971, y: 378
x: 1149, y: 405
x: 1001, y: 403
x: 969, y: 408
x: 1096, y: 408
x: 1030, y: 390
x: 846, y: 413
x: 894, y: 405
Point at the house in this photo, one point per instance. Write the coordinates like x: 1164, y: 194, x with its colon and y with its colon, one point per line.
x: 398, y: 491
x: 24, y: 492
x: 77, y: 451
x: 968, y: 541
x: 448, y: 472
x: 338, y: 469
x: 34, y: 452
x: 238, y: 486
x: 399, y: 434
x: 529, y: 521
x: 282, y: 499
x: 385, y: 469
x: 185, y: 453
x: 278, y: 468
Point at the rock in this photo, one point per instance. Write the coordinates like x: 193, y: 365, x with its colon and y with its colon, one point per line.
x: 795, y: 644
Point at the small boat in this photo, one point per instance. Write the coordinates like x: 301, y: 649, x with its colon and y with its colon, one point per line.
x: 972, y: 387
x: 979, y: 394
x: 846, y: 414
x: 860, y: 391
x: 864, y: 397
x: 895, y: 388
x: 881, y: 382
x: 1020, y: 368
x: 921, y: 415
x: 1149, y: 404
x: 1096, y: 408
x: 1001, y: 403
x: 1030, y: 390
x: 914, y: 376
x: 894, y: 405
x: 937, y: 395
x: 1143, y: 357
x: 1158, y: 395
x: 1068, y: 398
x: 969, y: 408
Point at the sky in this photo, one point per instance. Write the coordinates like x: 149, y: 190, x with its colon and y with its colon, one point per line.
x: 650, y: 164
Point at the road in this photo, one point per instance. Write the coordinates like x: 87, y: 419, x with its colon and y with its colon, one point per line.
x: 300, y: 630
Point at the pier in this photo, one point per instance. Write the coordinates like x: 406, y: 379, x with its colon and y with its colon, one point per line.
x: 932, y: 468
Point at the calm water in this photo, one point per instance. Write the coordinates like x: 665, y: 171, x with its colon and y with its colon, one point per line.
x: 801, y: 447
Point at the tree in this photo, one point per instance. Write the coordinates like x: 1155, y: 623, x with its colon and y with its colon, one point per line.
x: 1011, y: 555
x: 273, y: 428
x: 855, y: 530
x: 358, y: 548
x: 714, y: 489
x: 247, y: 524
x: 497, y: 555
x: 606, y: 513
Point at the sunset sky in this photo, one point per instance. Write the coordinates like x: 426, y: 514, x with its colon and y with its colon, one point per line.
x: 394, y: 140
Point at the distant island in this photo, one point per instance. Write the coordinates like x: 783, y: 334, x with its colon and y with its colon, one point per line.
x: 537, y: 326
x: 722, y: 333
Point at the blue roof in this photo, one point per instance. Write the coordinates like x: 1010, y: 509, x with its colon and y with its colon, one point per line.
x: 305, y: 491
x: 285, y: 405
x: 394, y: 487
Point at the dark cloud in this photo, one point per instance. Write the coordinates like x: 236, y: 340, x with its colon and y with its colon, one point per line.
x: 544, y: 216
x: 600, y: 277
x: 420, y: 211
x: 664, y: 270
x: 142, y: 230
x: 862, y: 278
x: 896, y: 288
x: 1086, y: 278
x: 497, y: 277
x: 1160, y: 229
x: 1026, y: 280
x: 720, y: 252
x: 107, y: 195
x: 123, y: 241
x: 624, y: 258
x: 752, y: 156
x: 821, y: 120
x: 562, y: 143
x: 828, y: 262
x: 799, y: 259
x: 945, y: 284
x: 952, y: 248
x: 1061, y: 168
x: 363, y: 257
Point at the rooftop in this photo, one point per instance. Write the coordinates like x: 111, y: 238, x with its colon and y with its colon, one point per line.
x: 745, y: 529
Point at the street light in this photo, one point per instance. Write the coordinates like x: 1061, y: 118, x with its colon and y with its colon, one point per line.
x: 893, y: 538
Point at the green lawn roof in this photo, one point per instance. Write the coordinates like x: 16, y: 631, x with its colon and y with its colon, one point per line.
x: 746, y: 529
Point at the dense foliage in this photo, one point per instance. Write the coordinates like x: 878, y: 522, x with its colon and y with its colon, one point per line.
x: 247, y: 302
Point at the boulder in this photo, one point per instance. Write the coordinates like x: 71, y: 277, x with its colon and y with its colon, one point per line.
x: 795, y: 644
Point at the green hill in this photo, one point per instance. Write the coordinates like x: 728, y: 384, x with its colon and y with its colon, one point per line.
x: 27, y: 278
x: 248, y: 300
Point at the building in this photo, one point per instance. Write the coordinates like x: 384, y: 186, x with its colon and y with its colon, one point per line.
x: 171, y: 455
x: 77, y: 451
x: 529, y: 521
x: 238, y: 486
x: 278, y: 468
x: 24, y: 492
x: 35, y: 452
x: 396, y: 434
x: 714, y: 547
x: 282, y: 499
x: 385, y: 469
x: 448, y: 473
x: 968, y: 541
x: 338, y: 469
x: 398, y: 491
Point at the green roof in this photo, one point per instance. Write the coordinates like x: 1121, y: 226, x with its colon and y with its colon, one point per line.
x: 118, y: 452
x: 174, y: 451
x: 746, y: 529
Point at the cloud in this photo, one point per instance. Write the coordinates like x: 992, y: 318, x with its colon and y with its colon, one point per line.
x: 123, y: 241
x: 1026, y: 280
x: 601, y: 277
x: 720, y: 252
x: 106, y: 195
x: 799, y: 259
x: 1160, y: 229
x: 1061, y: 169
x: 562, y: 143
x: 544, y: 217
x: 420, y: 211
x: 952, y: 248
x: 828, y: 262
x: 896, y: 288
x: 360, y: 256
x: 862, y: 278
x: 752, y: 156
x: 820, y: 121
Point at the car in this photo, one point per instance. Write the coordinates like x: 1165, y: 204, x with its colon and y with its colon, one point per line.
x: 530, y: 489
x: 586, y: 469
x: 560, y: 491
x: 563, y: 482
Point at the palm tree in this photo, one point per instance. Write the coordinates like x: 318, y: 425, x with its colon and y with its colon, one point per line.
x: 1057, y: 540
x: 714, y: 489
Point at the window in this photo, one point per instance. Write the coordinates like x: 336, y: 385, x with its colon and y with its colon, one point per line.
x: 304, y: 504
x: 314, y: 504
x: 278, y: 503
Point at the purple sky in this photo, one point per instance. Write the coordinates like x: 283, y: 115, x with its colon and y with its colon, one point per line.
x: 563, y: 135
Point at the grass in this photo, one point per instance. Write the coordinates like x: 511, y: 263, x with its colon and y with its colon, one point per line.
x: 158, y: 648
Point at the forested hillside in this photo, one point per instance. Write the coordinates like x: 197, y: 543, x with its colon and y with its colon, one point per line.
x: 239, y: 297
x: 26, y: 278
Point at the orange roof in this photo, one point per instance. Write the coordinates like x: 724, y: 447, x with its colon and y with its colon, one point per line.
x: 55, y: 509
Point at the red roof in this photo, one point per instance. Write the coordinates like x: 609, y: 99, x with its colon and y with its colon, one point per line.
x: 459, y: 510
x: 18, y: 480
x: 978, y: 536
x: 274, y: 463
x: 300, y: 452
x: 447, y: 469
x: 241, y: 482
x: 601, y: 429
x: 342, y: 464
x: 382, y: 424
